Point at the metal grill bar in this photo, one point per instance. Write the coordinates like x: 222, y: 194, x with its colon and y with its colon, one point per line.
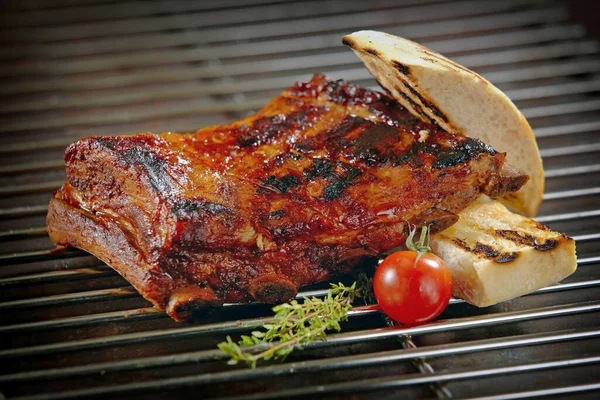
x: 558, y: 130
x: 37, y: 187
x: 308, y: 366
x: 362, y: 385
x: 562, y: 109
x: 274, y: 29
x: 560, y: 172
x: 416, y: 379
x: 318, y: 61
x: 540, y: 92
x: 23, y: 211
x: 570, y: 150
x: 572, y: 193
x: 195, y: 107
x: 542, y: 393
x: 23, y: 233
x: 316, y: 42
x: 86, y: 320
x: 482, y: 42
x: 154, y: 313
x: 588, y: 260
x: 53, y: 254
x: 104, y: 294
x: 87, y: 15
x: 342, y: 338
x: 568, y: 216
x: 540, y: 132
x: 48, y: 301
x: 274, y: 48
x: 37, y: 5
x: 522, y: 93
x: 29, y: 167
x: 183, y: 17
x: 225, y: 88
x: 584, y: 238
x: 142, y: 337
x: 55, y: 276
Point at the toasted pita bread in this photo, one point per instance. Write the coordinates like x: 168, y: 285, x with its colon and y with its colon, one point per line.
x: 439, y: 91
x: 496, y: 255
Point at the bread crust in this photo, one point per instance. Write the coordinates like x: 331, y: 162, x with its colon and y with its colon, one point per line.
x: 496, y: 255
x: 438, y: 90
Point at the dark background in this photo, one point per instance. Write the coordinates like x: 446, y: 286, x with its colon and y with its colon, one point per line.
x: 588, y: 12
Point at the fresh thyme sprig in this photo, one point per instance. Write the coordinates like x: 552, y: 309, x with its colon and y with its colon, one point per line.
x: 294, y: 325
x: 365, y: 283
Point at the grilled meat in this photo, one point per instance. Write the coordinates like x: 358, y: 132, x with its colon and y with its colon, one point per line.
x: 322, y: 179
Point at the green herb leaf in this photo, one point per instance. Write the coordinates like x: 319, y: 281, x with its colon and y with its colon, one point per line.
x: 295, y: 324
x: 365, y: 283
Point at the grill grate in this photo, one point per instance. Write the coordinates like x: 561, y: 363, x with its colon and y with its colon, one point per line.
x: 71, y: 327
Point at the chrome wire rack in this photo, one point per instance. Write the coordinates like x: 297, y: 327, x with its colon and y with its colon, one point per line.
x: 70, y: 327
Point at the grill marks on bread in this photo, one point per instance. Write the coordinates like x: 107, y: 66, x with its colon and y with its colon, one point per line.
x: 496, y: 255
x: 523, y: 238
x: 528, y: 240
x: 415, y: 98
x: 486, y: 251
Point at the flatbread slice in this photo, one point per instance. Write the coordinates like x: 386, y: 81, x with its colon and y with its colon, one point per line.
x: 496, y: 255
x: 439, y: 91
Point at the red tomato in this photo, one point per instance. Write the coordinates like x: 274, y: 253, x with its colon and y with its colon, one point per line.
x: 411, y: 292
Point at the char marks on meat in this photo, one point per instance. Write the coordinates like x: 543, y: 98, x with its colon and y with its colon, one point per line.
x: 320, y: 180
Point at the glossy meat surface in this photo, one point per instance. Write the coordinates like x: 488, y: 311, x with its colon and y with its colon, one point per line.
x: 321, y: 179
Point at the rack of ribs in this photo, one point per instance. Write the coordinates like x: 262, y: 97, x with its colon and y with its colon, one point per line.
x: 323, y: 178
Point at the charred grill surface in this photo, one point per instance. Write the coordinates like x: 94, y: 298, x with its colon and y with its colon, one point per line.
x: 320, y: 180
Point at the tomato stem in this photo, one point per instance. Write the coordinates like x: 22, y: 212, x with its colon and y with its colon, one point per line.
x: 422, y: 245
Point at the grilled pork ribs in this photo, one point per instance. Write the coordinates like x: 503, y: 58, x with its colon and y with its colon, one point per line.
x: 322, y: 179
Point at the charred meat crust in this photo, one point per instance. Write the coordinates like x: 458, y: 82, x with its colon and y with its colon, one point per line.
x: 266, y: 129
x: 321, y: 179
x: 283, y: 184
x: 185, y: 208
x: 508, y: 180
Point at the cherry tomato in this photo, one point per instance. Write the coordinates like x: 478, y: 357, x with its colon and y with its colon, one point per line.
x: 411, y: 290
